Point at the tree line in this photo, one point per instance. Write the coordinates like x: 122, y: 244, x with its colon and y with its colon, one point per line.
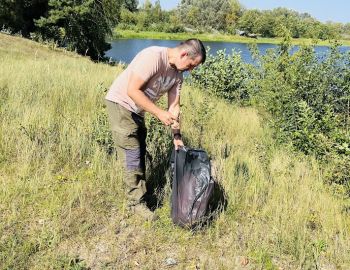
x: 83, y: 25
x: 228, y: 16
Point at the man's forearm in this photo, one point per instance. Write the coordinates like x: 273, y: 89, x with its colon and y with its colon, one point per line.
x: 144, y: 102
x: 175, y: 110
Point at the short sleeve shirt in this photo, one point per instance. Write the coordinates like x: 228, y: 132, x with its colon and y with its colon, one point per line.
x: 151, y: 64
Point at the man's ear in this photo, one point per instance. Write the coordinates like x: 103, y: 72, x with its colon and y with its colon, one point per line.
x: 183, y: 53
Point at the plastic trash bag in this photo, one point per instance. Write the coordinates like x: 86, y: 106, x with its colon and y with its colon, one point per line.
x: 192, y: 186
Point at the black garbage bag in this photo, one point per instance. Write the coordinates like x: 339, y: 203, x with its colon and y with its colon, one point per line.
x: 192, y: 186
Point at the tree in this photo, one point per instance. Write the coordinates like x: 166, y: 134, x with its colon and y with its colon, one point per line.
x: 19, y: 15
x: 147, y: 5
x: 131, y: 5
x: 329, y: 30
x: 266, y: 24
x: 250, y: 21
x: 346, y: 28
x: 156, y: 12
x: 127, y: 17
x: 233, y: 16
x: 80, y: 25
x: 204, y: 13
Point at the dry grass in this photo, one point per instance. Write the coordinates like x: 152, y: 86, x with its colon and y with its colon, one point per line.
x: 61, y: 199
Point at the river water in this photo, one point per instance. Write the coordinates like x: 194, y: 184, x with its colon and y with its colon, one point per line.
x: 124, y: 50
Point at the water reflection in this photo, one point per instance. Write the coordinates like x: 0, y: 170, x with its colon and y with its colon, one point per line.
x: 124, y: 50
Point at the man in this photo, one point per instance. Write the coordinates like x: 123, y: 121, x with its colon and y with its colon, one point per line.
x: 153, y: 72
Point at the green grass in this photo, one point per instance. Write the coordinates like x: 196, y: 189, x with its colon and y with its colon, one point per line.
x: 126, y: 34
x: 62, y: 204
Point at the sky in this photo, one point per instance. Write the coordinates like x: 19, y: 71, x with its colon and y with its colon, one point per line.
x: 323, y: 10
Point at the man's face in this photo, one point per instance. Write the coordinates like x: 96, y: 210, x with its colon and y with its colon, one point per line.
x: 186, y: 62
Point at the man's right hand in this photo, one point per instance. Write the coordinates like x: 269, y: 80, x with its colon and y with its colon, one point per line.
x: 166, y: 117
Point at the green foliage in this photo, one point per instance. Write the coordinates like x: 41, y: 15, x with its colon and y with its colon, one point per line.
x: 127, y: 17
x: 204, y: 111
x: 249, y: 21
x: 302, y: 92
x: 101, y: 132
x: 228, y: 15
x: 307, y: 96
x: 233, y: 16
x: 159, y: 139
x: 207, y: 14
x: 150, y: 18
x: 338, y: 174
x: 159, y: 143
x: 19, y: 15
x: 269, y: 23
x: 264, y: 259
x: 131, y: 5
x: 223, y: 76
x: 80, y: 25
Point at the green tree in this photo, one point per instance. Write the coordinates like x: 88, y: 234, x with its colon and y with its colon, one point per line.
x: 131, y: 5
x: 156, y: 12
x: 312, y: 28
x: 285, y: 18
x: 80, y: 25
x: 147, y: 5
x: 127, y: 17
x: 204, y: 14
x: 233, y: 16
x: 250, y: 21
x: 19, y: 15
x: 332, y: 30
x: 346, y: 28
x: 266, y: 24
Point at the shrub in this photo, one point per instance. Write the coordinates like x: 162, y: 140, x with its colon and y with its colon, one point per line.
x: 307, y: 96
x: 224, y: 76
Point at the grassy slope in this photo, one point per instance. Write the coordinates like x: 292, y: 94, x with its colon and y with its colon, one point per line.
x: 61, y: 201
x: 118, y: 33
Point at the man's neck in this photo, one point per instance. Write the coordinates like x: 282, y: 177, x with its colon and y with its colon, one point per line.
x: 172, y: 57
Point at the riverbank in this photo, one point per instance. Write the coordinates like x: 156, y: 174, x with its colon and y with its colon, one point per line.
x: 63, y: 204
x: 128, y: 34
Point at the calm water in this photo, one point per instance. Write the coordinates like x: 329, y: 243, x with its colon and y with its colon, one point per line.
x: 124, y: 50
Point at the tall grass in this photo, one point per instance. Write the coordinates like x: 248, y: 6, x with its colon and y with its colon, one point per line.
x: 62, y: 204
x: 278, y: 205
x: 56, y: 180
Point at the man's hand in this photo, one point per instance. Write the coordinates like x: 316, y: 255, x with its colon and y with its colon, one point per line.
x: 178, y: 142
x: 166, y: 117
x: 175, y: 124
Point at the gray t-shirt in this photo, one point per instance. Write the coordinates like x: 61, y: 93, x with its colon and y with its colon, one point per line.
x: 152, y: 65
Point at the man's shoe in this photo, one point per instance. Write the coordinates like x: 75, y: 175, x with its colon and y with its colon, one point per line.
x: 143, y: 211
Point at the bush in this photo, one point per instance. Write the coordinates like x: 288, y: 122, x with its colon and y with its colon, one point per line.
x: 224, y: 76
x: 169, y: 28
x: 307, y: 96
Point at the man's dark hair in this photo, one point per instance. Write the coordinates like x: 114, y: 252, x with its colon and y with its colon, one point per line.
x: 194, y: 47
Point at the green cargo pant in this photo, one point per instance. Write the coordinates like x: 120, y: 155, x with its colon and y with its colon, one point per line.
x: 129, y: 136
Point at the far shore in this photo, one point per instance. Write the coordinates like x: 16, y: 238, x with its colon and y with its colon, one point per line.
x: 128, y: 34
